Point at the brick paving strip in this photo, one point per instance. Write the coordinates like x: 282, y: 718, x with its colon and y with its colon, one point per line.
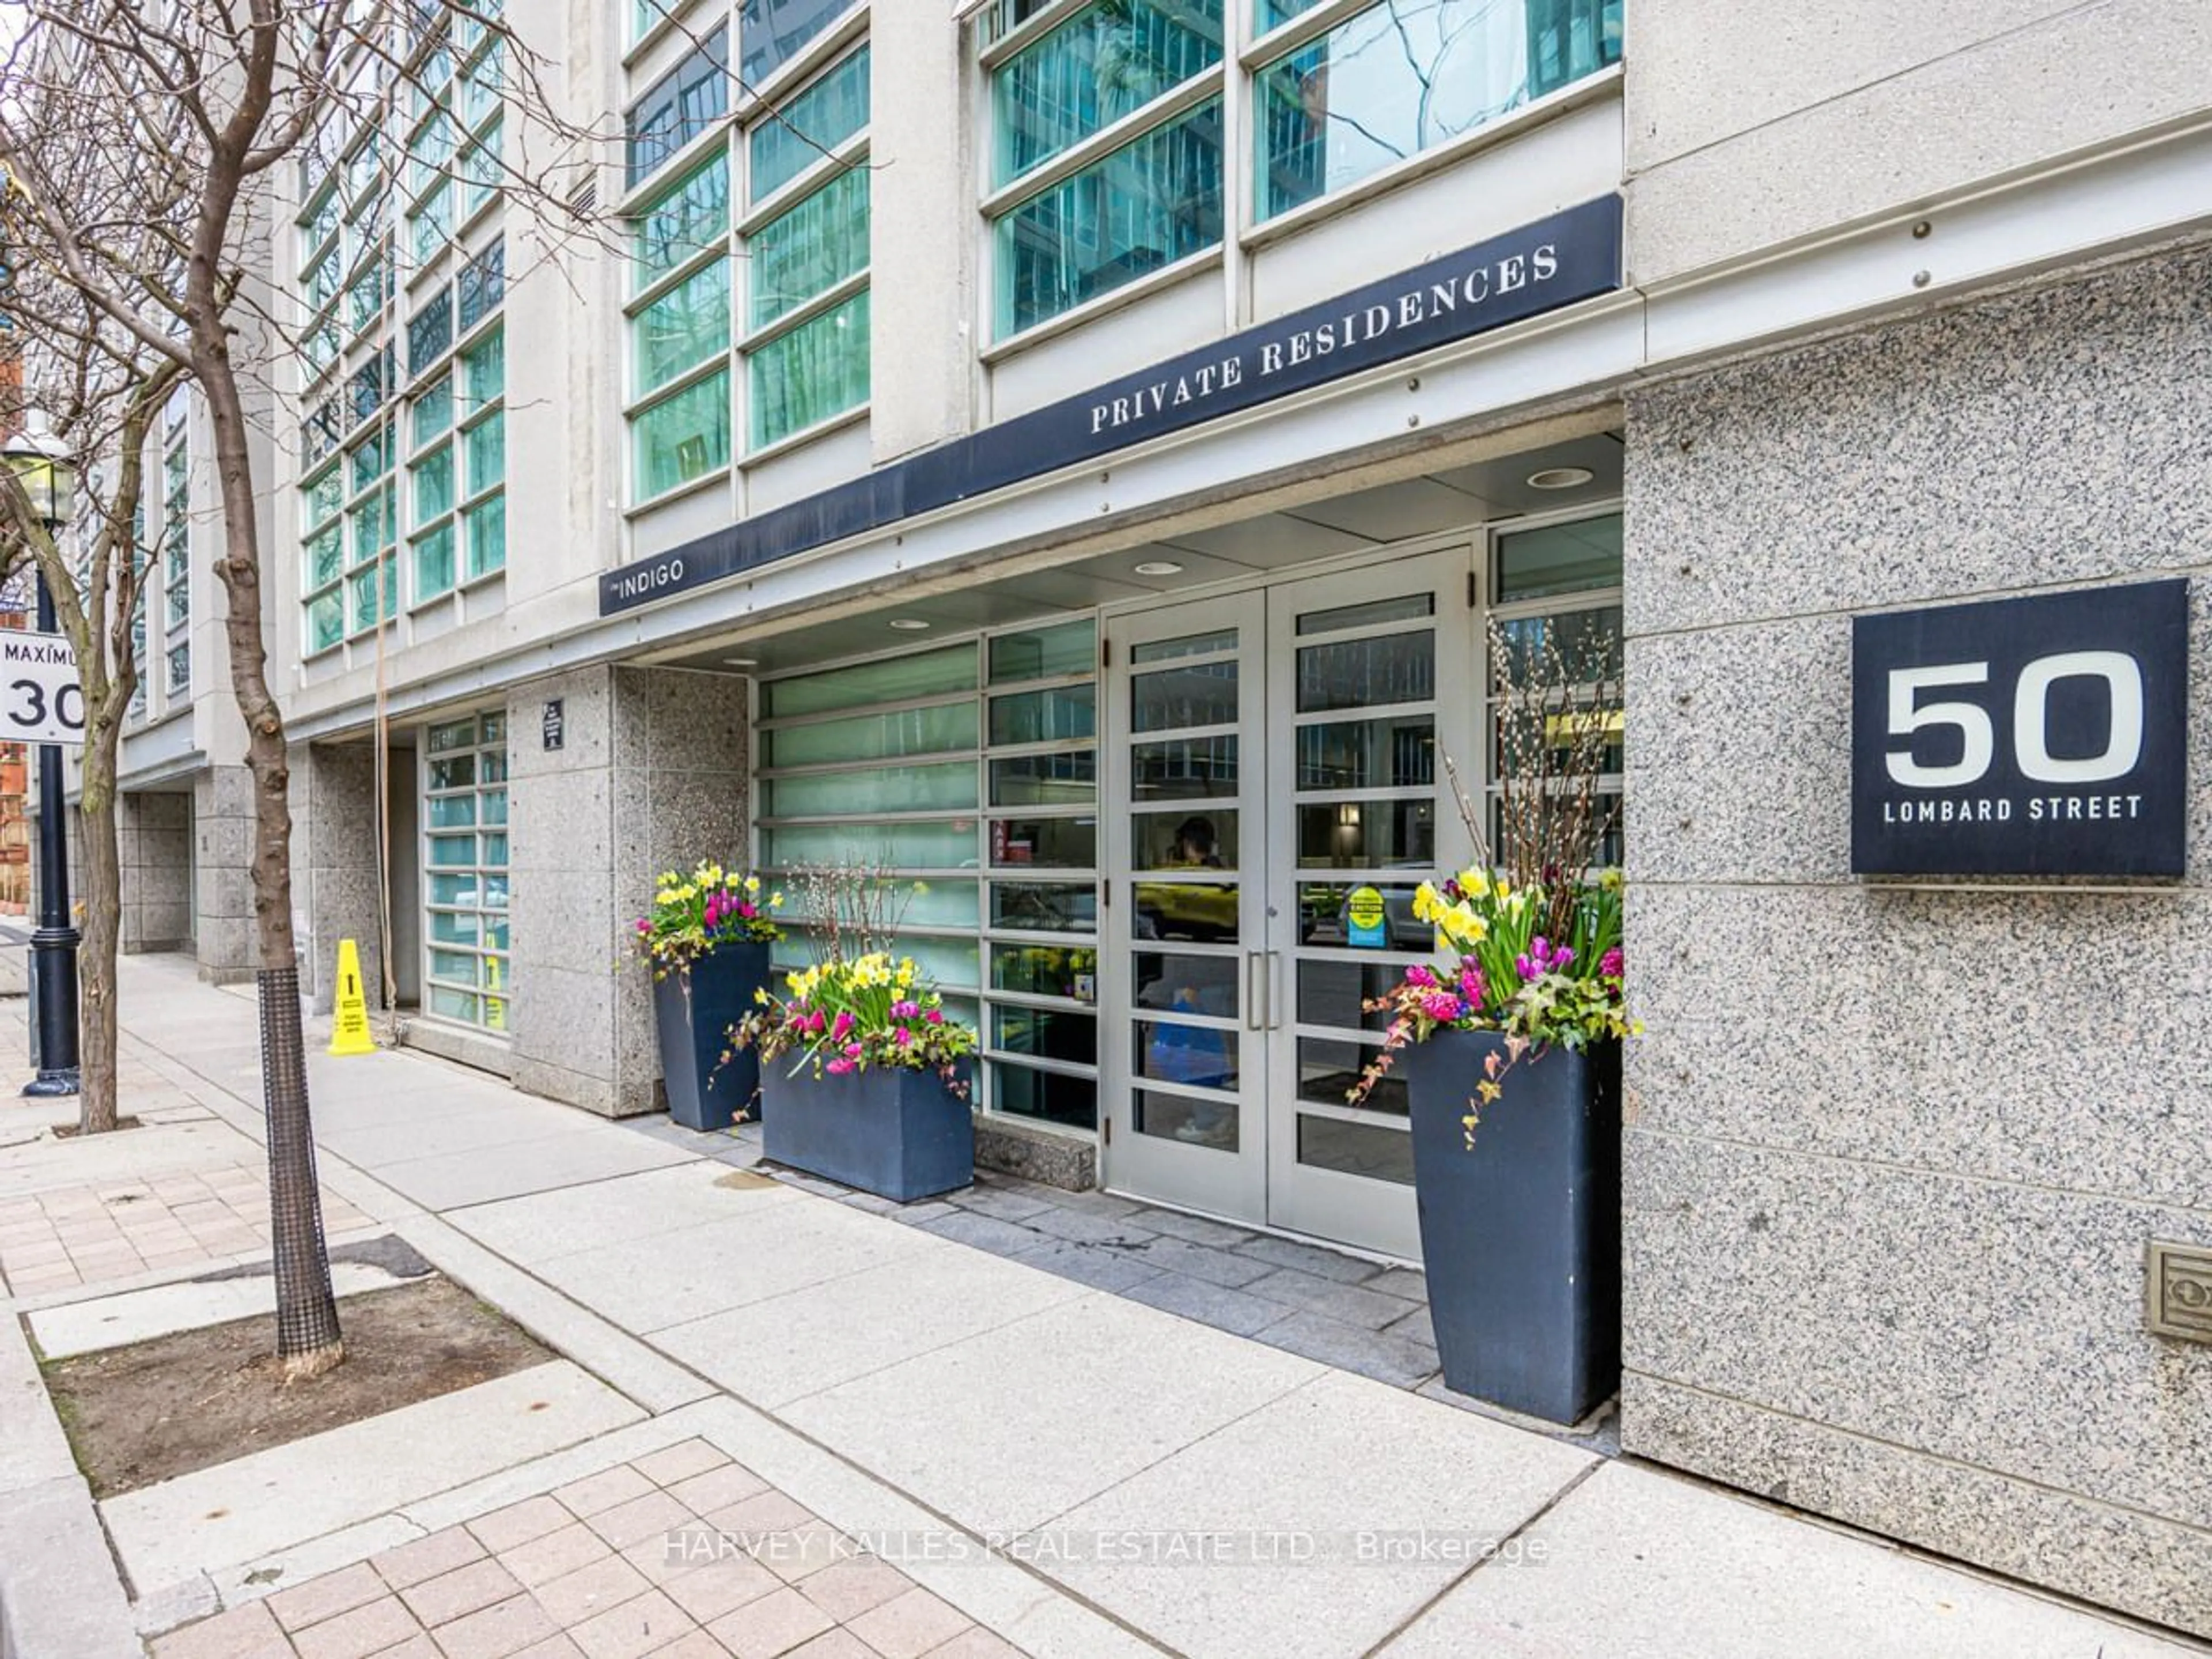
x: 68, y: 1236
x: 683, y: 1552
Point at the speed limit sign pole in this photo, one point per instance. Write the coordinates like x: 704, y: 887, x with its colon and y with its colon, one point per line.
x: 53, y: 945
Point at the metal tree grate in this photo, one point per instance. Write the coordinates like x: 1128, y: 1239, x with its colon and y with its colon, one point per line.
x: 307, y: 1312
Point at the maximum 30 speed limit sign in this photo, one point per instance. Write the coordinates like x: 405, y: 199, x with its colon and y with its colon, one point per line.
x: 41, y: 701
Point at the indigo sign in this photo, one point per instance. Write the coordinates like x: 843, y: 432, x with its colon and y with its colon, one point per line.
x: 1541, y: 267
x: 2036, y: 737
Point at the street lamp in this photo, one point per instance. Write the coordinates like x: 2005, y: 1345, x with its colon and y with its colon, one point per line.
x: 50, y: 480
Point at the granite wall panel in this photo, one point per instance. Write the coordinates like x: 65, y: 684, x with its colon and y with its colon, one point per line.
x: 1895, y: 1148
x: 651, y: 775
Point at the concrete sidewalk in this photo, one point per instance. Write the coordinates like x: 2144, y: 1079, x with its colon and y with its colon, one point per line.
x: 1121, y: 1479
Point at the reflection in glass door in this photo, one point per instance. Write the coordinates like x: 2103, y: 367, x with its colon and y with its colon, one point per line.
x: 1275, y: 769
x: 1365, y: 695
x: 1185, y: 1070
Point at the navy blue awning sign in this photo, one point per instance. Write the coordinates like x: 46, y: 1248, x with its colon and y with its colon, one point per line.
x: 1571, y: 256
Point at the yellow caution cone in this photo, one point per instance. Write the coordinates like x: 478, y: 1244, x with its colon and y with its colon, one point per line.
x: 350, y: 1032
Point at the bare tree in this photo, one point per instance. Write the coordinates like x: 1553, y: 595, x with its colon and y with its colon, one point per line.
x: 99, y: 392
x: 145, y: 134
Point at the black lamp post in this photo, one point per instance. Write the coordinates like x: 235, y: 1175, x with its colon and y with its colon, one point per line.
x: 50, y: 484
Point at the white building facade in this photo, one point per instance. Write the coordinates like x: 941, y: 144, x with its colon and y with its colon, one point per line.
x: 1071, y: 455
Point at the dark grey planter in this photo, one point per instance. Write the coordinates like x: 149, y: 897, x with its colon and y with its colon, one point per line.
x: 898, y: 1133
x: 693, y: 1011
x: 1521, y: 1232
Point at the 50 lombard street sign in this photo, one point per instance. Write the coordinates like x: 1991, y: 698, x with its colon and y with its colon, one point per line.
x: 2042, y: 735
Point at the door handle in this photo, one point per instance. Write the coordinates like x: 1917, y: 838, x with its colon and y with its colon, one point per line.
x: 1256, y: 990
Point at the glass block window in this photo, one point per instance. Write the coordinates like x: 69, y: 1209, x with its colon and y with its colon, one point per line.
x: 679, y: 107
x: 467, y: 972
x: 1392, y: 81
x: 969, y: 772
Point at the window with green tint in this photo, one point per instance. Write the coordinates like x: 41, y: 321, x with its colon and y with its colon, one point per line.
x: 893, y: 679
x: 325, y: 621
x: 808, y: 373
x: 433, y: 561
x: 1394, y: 80
x: 684, y: 327
x: 949, y: 845
x: 434, y: 409
x: 1154, y: 201
x: 1044, y: 653
x: 800, y: 132
x: 861, y: 737
x: 943, y: 904
x: 485, y: 446
x: 323, y: 555
x: 684, y: 436
x: 851, y: 792
x: 1107, y: 60
x: 1560, y: 558
x: 484, y: 369
x: 433, y: 479
x: 321, y: 498
x: 953, y: 963
x: 818, y: 244
x: 1071, y: 712
x: 486, y: 527
x: 1269, y: 13
x: 687, y: 218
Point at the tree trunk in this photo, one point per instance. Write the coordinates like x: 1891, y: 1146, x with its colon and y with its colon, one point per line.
x: 308, y: 1340
x: 95, y: 963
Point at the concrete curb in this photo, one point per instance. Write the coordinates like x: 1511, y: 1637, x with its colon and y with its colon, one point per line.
x: 60, y: 1592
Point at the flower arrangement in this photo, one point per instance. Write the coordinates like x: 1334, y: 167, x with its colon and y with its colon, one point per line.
x: 1539, y: 989
x: 842, y: 1016
x: 693, y: 914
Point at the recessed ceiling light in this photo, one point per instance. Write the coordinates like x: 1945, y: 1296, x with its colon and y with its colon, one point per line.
x: 741, y: 662
x: 1160, y: 568
x: 908, y: 624
x: 1560, y: 477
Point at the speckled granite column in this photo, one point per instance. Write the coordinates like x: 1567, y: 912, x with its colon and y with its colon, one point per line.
x: 651, y: 775
x: 335, y: 884
x: 1895, y: 1149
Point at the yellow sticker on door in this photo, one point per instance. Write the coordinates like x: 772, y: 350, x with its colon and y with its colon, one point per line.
x: 1364, y: 922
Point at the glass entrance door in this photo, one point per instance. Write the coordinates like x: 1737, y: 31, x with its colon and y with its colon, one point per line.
x: 1185, y: 1006
x: 1372, y: 676
x: 1273, y: 760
